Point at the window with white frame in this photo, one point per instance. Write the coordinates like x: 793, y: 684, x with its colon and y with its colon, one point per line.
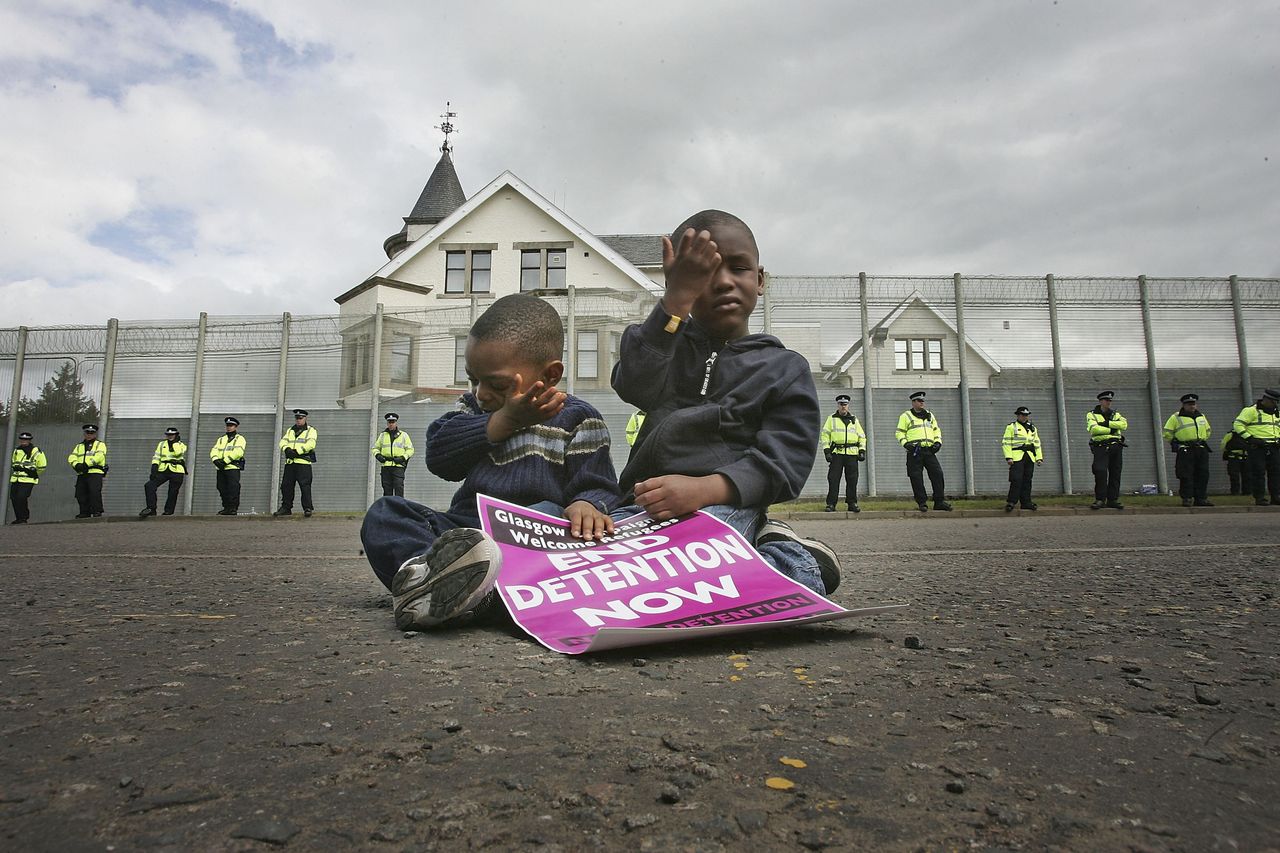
x: 460, y: 360
x: 401, y: 359
x: 468, y: 271
x: 544, y: 269
x: 588, y: 355
x: 917, y: 354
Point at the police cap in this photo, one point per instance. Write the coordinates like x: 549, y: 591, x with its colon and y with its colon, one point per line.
x: 231, y: 422
x: 842, y: 398
x: 391, y: 416
x: 1189, y: 398
x: 1107, y: 395
x: 919, y: 395
x: 90, y: 427
x: 299, y: 413
x: 171, y: 431
x: 1271, y: 394
x: 25, y: 436
x: 1022, y: 410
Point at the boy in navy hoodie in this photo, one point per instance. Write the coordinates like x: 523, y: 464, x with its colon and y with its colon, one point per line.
x: 732, y: 418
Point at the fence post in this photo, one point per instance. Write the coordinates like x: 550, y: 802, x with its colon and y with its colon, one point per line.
x: 1242, y: 346
x: 108, y: 374
x: 1153, y: 385
x: 11, y: 430
x: 281, y: 378
x: 867, y: 417
x: 768, y: 306
x: 1059, y: 387
x: 193, y: 431
x: 375, y: 401
x: 571, y: 345
x: 966, y: 425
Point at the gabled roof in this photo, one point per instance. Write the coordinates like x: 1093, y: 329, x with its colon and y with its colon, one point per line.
x: 507, y: 179
x: 853, y: 353
x: 643, y: 250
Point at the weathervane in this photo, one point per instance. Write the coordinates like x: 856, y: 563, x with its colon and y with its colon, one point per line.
x: 447, y: 127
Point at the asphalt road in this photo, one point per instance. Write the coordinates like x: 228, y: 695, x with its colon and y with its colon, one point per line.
x: 1081, y: 683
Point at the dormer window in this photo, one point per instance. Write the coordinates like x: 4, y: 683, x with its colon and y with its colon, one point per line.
x: 543, y: 268
x: 468, y: 271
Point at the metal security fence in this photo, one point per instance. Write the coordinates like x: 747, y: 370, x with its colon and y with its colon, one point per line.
x: 979, y: 346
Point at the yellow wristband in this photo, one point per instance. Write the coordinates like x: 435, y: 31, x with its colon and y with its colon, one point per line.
x: 672, y: 325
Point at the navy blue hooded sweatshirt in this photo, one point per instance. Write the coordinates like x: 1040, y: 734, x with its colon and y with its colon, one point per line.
x: 745, y: 408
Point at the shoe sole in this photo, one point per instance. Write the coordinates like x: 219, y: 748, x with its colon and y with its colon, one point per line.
x: 828, y: 563
x: 447, y: 581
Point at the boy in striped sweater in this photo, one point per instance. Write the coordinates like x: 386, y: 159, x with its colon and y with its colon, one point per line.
x: 515, y: 436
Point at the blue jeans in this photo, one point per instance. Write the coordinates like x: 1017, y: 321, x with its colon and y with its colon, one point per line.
x: 788, y: 557
x: 396, y: 530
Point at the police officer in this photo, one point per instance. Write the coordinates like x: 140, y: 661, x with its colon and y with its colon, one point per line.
x: 844, y: 444
x: 168, y: 465
x: 228, y: 457
x: 89, y: 460
x: 1106, y: 440
x: 1187, y: 432
x: 634, y: 424
x: 1235, y: 452
x: 393, y: 449
x: 1022, y: 450
x: 1259, y: 426
x: 299, y: 446
x: 919, y: 434
x: 25, y: 467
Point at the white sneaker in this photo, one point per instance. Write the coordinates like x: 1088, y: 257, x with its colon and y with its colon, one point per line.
x: 828, y: 563
x: 447, y: 582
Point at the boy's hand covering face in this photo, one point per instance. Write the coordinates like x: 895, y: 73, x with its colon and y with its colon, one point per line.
x: 688, y: 268
x: 538, y: 404
x: 587, y: 522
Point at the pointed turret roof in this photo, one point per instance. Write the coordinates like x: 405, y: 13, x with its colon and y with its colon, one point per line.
x: 440, y: 197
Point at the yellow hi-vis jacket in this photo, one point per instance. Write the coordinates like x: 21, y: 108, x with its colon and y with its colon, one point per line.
x: 634, y: 423
x: 913, y: 429
x: 1104, y: 431
x: 1022, y: 441
x: 26, y: 465
x: 845, y: 438
x: 229, y: 449
x: 1256, y: 423
x: 395, y: 450
x: 94, y: 455
x: 1234, y: 446
x: 303, y: 443
x: 1184, y: 429
x: 171, y: 457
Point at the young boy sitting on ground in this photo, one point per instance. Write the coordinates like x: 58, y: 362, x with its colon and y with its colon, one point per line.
x: 732, y: 418
x: 515, y: 437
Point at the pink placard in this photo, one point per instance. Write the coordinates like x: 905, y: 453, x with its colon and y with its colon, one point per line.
x: 652, y: 581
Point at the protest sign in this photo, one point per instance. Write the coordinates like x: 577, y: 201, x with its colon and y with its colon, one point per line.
x: 651, y: 581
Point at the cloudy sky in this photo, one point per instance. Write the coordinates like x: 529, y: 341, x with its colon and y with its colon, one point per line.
x: 162, y: 158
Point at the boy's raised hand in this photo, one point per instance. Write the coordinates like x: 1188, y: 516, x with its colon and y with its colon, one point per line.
x: 688, y: 268
x: 587, y: 522
x: 539, y: 404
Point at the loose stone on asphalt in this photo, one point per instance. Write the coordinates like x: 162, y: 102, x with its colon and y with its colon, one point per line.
x: 1077, y: 702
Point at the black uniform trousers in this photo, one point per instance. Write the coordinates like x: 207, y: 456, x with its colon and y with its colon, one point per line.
x: 1021, y: 474
x: 1108, y: 461
x: 19, y: 494
x: 300, y: 474
x: 1191, y: 467
x: 158, y: 479
x: 393, y: 481
x: 229, y: 487
x: 89, y: 493
x: 919, y: 460
x: 842, y: 465
x: 1238, y: 474
x: 1264, y: 470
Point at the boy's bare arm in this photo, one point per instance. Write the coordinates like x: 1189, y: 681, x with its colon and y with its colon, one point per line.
x: 688, y: 269
x: 538, y: 405
x: 672, y: 495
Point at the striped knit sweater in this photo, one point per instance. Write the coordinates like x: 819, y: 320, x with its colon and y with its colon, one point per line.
x: 563, y: 460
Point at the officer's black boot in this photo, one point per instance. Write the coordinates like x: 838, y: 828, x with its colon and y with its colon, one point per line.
x: 146, y: 512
